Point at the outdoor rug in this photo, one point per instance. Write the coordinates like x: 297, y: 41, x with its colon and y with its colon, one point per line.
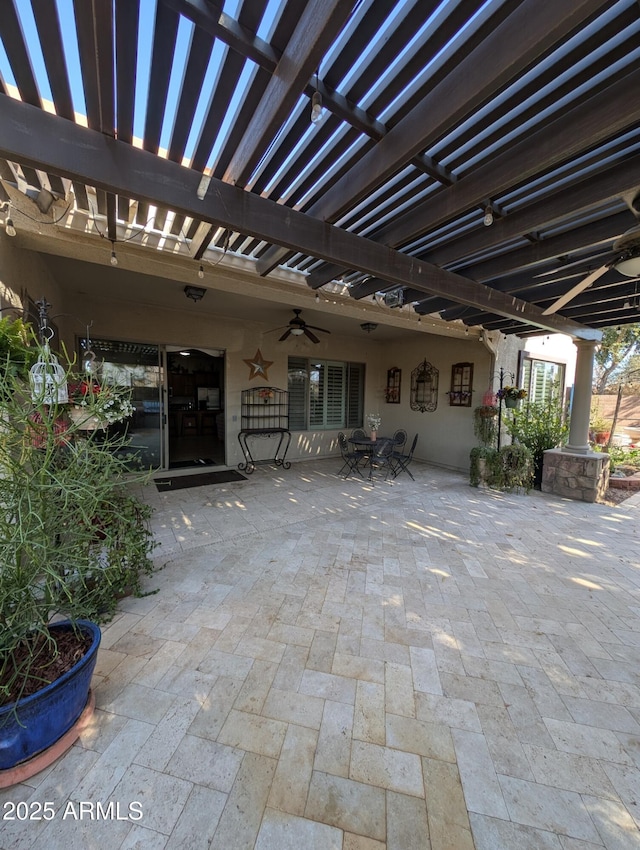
x: 182, y: 482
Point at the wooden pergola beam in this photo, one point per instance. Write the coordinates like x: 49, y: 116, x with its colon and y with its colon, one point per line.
x: 41, y: 140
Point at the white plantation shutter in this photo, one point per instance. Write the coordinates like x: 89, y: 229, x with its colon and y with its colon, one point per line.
x: 335, y: 382
x: 298, y: 385
x: 325, y: 394
x: 355, y: 395
x: 316, y: 395
x: 542, y: 379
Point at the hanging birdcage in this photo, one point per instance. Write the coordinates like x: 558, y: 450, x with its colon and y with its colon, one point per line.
x: 48, y: 379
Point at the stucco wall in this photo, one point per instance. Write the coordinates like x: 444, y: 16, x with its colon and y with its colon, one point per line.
x: 445, y: 436
x: 25, y: 273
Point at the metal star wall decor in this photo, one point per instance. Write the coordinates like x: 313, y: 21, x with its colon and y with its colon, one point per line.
x: 258, y: 366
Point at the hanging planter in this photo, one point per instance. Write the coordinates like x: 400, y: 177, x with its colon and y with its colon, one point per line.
x: 511, y: 396
x: 48, y: 379
x: 84, y: 419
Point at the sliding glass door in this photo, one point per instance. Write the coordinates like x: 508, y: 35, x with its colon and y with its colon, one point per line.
x: 138, y: 366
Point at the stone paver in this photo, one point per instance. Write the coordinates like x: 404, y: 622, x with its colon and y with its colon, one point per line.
x: 410, y: 666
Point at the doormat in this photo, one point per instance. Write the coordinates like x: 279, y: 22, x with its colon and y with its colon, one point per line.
x: 198, y: 461
x: 182, y: 482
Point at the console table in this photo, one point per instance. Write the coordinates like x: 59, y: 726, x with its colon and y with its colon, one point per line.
x: 279, y: 456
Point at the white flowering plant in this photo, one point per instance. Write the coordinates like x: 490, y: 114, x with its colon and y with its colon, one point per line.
x: 108, y: 403
x: 373, y: 421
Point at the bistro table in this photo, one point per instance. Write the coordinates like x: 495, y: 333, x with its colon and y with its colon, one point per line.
x: 368, y: 448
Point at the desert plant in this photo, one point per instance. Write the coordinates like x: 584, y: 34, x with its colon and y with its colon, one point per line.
x: 539, y: 426
x: 72, y: 535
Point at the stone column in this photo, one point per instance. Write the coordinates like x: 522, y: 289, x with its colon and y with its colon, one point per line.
x: 581, y: 405
x: 575, y: 471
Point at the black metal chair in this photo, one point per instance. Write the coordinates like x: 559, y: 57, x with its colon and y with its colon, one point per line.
x: 359, y: 434
x: 381, y: 458
x: 401, y: 461
x: 399, y: 439
x: 351, y: 458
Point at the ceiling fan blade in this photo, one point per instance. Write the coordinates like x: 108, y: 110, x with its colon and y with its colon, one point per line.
x: 316, y: 328
x: 585, y: 283
x: 585, y: 261
x: 563, y: 277
x: 285, y: 335
x: 311, y: 336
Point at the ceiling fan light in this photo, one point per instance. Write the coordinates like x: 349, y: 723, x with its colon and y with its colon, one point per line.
x: 629, y: 263
x: 297, y: 331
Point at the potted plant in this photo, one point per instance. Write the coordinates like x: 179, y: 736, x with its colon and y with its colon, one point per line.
x: 481, y: 461
x: 373, y: 421
x: 599, y: 427
x: 485, y: 424
x: 511, y: 395
x: 72, y: 537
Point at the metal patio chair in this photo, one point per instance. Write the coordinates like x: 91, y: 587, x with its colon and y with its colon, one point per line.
x: 381, y: 458
x: 350, y: 458
x: 399, y: 439
x: 401, y: 461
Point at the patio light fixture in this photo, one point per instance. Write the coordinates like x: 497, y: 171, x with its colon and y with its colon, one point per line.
x: 9, y: 226
x: 368, y: 326
x: 316, y: 104
x: 196, y: 293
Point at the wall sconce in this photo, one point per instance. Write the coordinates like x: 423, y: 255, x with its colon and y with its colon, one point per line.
x: 196, y: 293
x: 368, y: 326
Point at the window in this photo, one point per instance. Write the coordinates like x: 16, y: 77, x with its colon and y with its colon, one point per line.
x: 542, y: 378
x: 325, y: 394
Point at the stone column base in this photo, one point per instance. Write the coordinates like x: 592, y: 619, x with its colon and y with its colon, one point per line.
x: 584, y: 477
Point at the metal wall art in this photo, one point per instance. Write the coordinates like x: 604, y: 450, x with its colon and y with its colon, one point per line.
x: 424, y: 388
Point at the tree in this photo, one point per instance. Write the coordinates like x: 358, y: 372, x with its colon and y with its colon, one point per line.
x: 618, y: 345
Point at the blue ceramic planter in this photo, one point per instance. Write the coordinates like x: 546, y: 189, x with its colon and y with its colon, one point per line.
x: 44, y: 717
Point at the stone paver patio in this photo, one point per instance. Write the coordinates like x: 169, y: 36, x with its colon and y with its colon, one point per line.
x: 333, y: 666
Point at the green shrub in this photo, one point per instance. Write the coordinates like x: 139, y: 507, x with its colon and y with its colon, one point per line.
x: 481, y: 461
x: 509, y: 468
x: 539, y: 426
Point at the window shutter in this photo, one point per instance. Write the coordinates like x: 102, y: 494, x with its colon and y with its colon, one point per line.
x: 324, y: 394
x: 355, y: 395
x: 335, y: 383
x: 316, y: 395
x: 298, y: 382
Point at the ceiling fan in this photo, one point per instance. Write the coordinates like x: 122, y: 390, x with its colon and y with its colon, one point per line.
x: 626, y: 261
x: 298, y: 327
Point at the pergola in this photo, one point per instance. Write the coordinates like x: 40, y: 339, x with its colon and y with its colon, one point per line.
x: 475, y: 160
